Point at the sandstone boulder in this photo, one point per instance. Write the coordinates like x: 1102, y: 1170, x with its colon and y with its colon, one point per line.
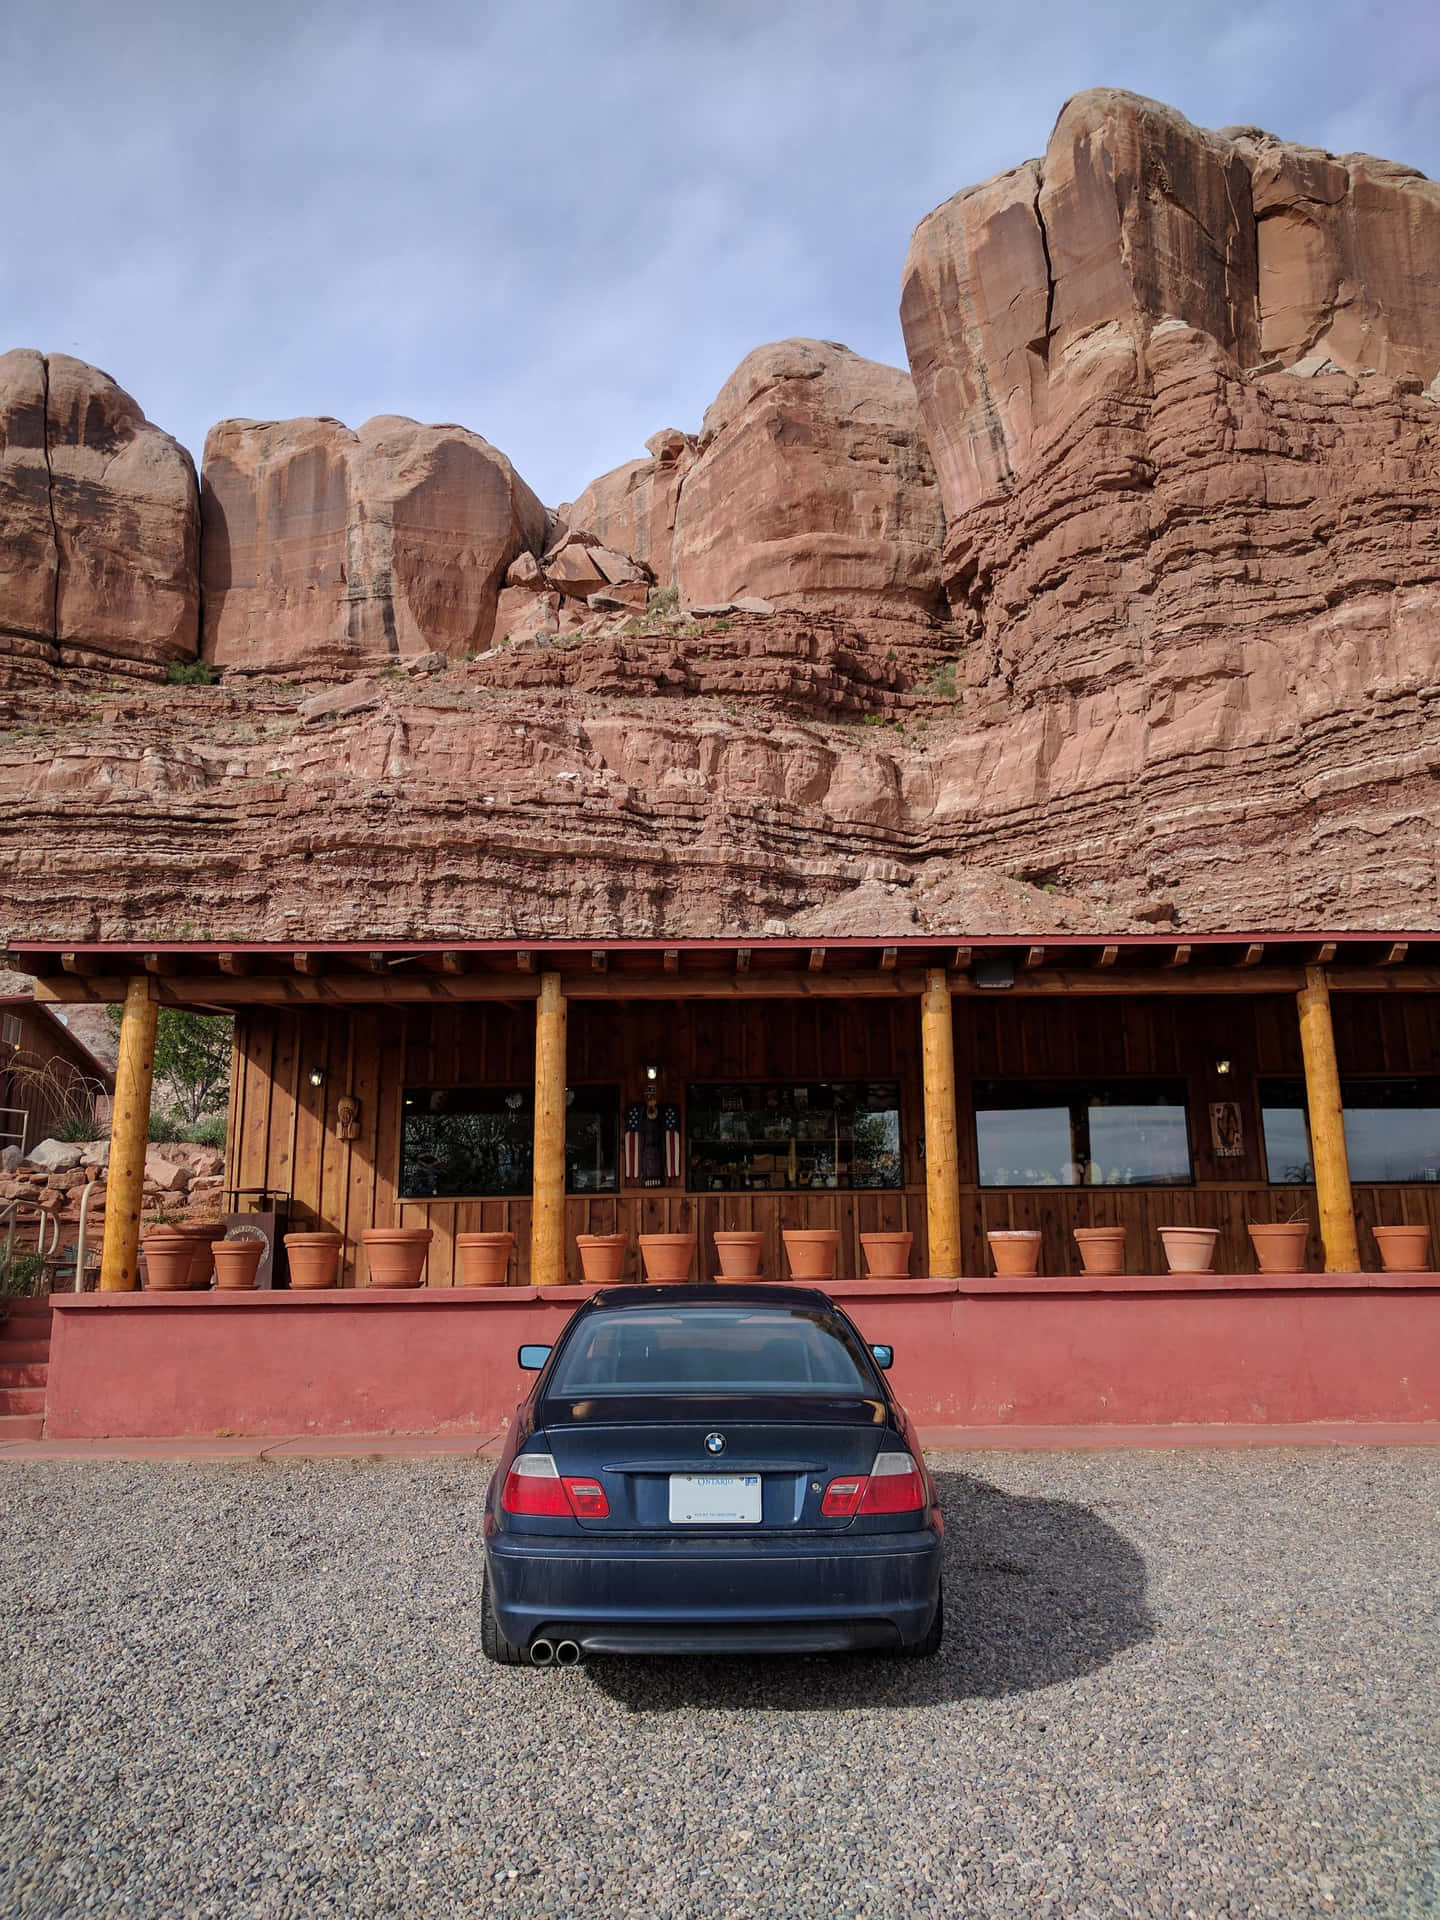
x: 55, y: 1156
x: 328, y: 549
x: 632, y: 508
x: 99, y: 521
x: 813, y: 488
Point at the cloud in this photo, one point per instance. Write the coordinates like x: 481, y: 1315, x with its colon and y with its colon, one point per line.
x: 564, y: 222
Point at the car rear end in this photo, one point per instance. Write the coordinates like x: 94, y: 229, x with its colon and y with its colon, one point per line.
x: 700, y: 1474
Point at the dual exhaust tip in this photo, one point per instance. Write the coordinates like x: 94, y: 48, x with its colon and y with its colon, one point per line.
x: 560, y: 1653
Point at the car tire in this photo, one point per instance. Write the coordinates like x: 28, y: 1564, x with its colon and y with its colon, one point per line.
x: 493, y: 1643
x: 929, y: 1642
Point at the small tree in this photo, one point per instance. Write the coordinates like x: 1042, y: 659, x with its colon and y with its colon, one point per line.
x: 192, y: 1060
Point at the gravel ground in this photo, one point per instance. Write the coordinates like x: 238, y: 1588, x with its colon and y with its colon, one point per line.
x: 1184, y: 1683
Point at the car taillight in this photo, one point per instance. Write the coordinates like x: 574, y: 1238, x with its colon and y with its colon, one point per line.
x: 533, y: 1486
x: 894, y: 1486
x: 843, y: 1496
x: 587, y: 1499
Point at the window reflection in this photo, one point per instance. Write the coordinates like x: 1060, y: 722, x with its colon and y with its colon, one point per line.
x: 461, y: 1141
x: 789, y: 1135
x: 1131, y: 1133
x: 1392, y: 1129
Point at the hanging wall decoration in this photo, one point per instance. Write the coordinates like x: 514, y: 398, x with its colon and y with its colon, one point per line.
x: 652, y: 1141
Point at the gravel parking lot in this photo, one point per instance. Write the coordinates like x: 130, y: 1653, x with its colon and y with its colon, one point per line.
x: 1186, y: 1683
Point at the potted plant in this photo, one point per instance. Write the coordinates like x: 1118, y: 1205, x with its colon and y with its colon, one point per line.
x: 202, y: 1236
x: 811, y: 1252
x: 887, y: 1255
x: 1102, y: 1249
x: 1015, y: 1250
x: 169, y: 1255
x: 314, y: 1259
x: 602, y: 1257
x: 667, y: 1257
x: 1189, y: 1249
x: 484, y: 1258
x: 1280, y: 1244
x: 396, y: 1256
x: 237, y: 1262
x: 1403, y: 1249
x: 739, y: 1254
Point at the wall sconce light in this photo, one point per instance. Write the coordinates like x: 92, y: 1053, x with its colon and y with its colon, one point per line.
x: 652, y: 1074
x: 317, y: 1076
x: 1222, y: 1066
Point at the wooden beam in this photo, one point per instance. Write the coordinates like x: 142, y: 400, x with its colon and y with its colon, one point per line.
x: 1333, y: 1194
x: 742, y: 960
x: 942, y: 1148
x: 817, y: 960
x: 547, y: 1213
x: 888, y: 956
x: 1034, y: 958
x: 378, y: 963
x: 1180, y: 957
x: 83, y: 964
x: 525, y: 962
x: 1397, y: 952
x: 129, y: 1136
x: 162, y: 963
x: 599, y: 961
x: 961, y: 961
x: 454, y: 963
x: 65, y: 990
x: 310, y: 964
x: 1108, y: 956
x: 234, y: 964
x: 1323, y: 955
x: 672, y: 960
x: 1252, y: 955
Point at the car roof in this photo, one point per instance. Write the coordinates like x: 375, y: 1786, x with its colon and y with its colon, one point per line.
x: 765, y: 1293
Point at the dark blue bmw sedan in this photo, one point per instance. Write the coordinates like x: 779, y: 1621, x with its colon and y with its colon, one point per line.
x: 713, y: 1469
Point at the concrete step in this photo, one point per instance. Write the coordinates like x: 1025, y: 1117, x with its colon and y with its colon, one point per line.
x: 22, y: 1400
x: 28, y: 1373
x: 21, y: 1426
x: 23, y: 1353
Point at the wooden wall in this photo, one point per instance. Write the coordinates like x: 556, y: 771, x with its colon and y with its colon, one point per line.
x: 283, y: 1129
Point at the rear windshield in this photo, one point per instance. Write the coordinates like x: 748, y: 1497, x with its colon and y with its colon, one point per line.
x: 712, y: 1350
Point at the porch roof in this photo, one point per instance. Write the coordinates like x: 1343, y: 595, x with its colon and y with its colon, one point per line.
x: 224, y: 975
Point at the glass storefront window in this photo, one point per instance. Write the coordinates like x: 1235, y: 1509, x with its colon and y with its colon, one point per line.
x: 1122, y: 1133
x: 794, y: 1135
x: 1392, y: 1129
x: 462, y: 1141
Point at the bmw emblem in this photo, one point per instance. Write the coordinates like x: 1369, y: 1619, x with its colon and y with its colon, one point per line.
x: 714, y: 1443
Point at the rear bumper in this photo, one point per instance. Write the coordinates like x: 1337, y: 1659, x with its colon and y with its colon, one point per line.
x: 715, y: 1596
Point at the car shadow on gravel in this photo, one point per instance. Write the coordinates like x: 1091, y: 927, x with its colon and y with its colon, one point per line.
x: 1036, y: 1591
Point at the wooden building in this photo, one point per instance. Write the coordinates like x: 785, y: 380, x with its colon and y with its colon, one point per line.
x: 49, y: 1078
x: 945, y: 1088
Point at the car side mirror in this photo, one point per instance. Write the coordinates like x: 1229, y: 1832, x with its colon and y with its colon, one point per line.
x: 884, y: 1357
x: 532, y: 1359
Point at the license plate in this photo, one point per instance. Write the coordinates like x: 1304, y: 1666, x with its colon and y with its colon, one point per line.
x: 715, y: 1499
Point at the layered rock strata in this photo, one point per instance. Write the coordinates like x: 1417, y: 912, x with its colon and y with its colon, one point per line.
x: 325, y: 547
x: 99, y: 522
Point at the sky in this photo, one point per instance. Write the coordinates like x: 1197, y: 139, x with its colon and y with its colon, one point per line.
x: 563, y: 223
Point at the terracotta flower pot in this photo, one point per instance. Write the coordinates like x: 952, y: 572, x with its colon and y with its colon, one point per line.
x: 314, y: 1259
x: 484, y: 1258
x: 739, y: 1255
x: 1015, y: 1250
x: 812, y: 1252
x: 1279, y: 1245
x: 1189, y: 1249
x: 887, y: 1255
x: 602, y: 1257
x: 202, y: 1238
x: 1404, y: 1249
x: 169, y: 1255
x: 1102, y: 1249
x: 667, y: 1257
x: 396, y: 1256
x: 236, y: 1264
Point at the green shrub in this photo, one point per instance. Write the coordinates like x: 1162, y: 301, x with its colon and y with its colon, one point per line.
x: 164, y: 1128
x: 191, y: 673
x: 209, y: 1132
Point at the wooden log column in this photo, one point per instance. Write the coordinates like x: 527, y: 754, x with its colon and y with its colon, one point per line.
x: 129, y: 1135
x: 547, y: 1214
x: 942, y: 1155
x: 1333, y: 1194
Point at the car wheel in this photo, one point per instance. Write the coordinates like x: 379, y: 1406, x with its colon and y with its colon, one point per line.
x: 493, y: 1643
x: 929, y: 1642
